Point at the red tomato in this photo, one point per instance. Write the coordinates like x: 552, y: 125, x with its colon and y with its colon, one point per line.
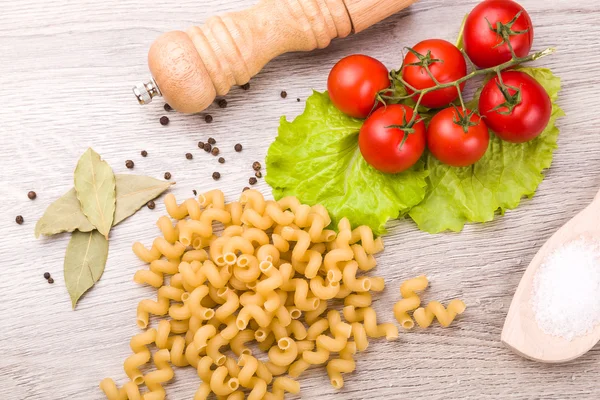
x: 354, y: 82
x: 527, y: 119
x: 450, y: 144
x: 451, y: 68
x: 382, y: 146
x: 486, y: 46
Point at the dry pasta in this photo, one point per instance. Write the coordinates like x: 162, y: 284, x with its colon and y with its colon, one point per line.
x: 410, y: 300
x: 424, y: 316
x: 219, y: 289
x: 445, y: 316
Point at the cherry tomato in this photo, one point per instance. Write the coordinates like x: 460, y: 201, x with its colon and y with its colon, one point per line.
x: 527, y: 119
x: 450, y: 67
x: 354, y: 82
x: 382, y: 146
x: 483, y: 37
x: 449, y: 143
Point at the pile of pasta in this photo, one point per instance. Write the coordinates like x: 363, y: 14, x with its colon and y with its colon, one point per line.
x: 423, y: 315
x: 270, y: 277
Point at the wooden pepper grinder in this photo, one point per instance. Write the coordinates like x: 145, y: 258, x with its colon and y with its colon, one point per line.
x: 190, y: 69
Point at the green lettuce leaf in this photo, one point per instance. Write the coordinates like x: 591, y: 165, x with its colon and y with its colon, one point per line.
x: 316, y: 158
x: 505, y: 174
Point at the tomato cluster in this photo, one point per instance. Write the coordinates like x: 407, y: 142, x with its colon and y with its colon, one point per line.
x: 513, y: 105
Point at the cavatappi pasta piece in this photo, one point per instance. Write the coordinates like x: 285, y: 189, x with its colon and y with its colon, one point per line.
x: 284, y: 353
x: 266, y: 275
x: 389, y: 330
x: 445, y: 316
x: 221, y: 384
x: 163, y: 373
x: 410, y: 301
x: 141, y: 355
x: 344, y: 364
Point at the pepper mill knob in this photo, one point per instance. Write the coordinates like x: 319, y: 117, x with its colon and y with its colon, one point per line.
x: 145, y: 91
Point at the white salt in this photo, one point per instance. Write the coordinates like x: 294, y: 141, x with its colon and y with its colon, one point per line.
x: 566, y: 290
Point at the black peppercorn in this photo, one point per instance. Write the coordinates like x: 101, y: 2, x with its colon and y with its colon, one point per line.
x: 215, y: 151
x: 298, y: 99
x: 195, y: 193
x: 50, y: 280
x: 246, y: 86
x: 19, y: 219
x: 208, y: 119
x: 237, y: 147
x: 167, y: 107
x: 32, y: 195
x: 252, y: 181
x: 216, y: 176
x: 167, y: 175
x: 212, y: 140
x: 129, y: 164
x: 256, y: 166
x: 222, y: 103
x: 258, y: 174
x: 245, y: 188
x: 200, y: 145
x: 151, y: 204
x: 46, y: 275
x: 207, y: 147
x: 283, y: 94
x: 189, y: 156
x: 144, y: 153
x: 221, y: 160
x: 164, y: 120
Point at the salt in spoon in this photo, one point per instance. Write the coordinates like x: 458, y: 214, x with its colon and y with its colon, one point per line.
x: 521, y: 332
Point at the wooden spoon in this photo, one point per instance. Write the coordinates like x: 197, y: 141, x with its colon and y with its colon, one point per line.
x: 521, y: 332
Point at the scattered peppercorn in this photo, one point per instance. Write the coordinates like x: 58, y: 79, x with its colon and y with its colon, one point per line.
x: 167, y: 107
x: 46, y: 275
x: 129, y: 164
x: 144, y: 153
x: 246, y: 86
x: 283, y: 94
x: 189, y: 156
x: 252, y: 181
x: 151, y: 204
x: 208, y: 119
x: 50, y: 280
x: 167, y: 175
x: 164, y: 120
x: 207, y: 147
x: 216, y: 176
x: 215, y: 151
x: 237, y: 147
x: 212, y: 140
x: 245, y: 188
x: 222, y: 103
x: 258, y: 174
x: 256, y: 166
x: 200, y: 145
x: 19, y: 219
x: 32, y: 195
x: 195, y: 193
x: 221, y: 160
x: 298, y: 99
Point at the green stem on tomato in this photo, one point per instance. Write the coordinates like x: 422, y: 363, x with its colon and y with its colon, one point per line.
x: 497, y: 70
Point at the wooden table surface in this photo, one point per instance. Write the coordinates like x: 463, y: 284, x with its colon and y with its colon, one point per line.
x: 66, y: 71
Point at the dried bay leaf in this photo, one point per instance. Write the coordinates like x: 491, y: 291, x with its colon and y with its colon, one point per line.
x: 96, y: 190
x: 133, y: 192
x: 84, y: 262
x: 64, y: 215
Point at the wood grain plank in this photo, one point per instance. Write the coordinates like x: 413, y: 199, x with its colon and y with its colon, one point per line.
x: 66, y: 71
